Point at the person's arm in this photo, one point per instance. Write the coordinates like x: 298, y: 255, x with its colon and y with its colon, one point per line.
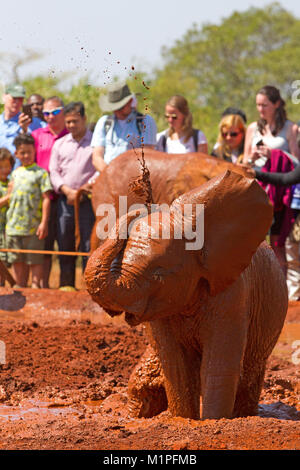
x: 98, y: 143
x: 69, y: 193
x: 248, y: 142
x: 202, y: 146
x: 98, y: 158
x: 282, y: 179
x: 4, y: 200
x: 293, y: 141
x: 24, y: 122
x: 54, y: 168
x: 42, y: 230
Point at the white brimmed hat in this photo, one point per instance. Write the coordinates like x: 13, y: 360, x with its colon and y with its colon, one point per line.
x: 118, y: 94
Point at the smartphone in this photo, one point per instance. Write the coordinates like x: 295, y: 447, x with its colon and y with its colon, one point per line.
x: 27, y: 110
x: 261, y: 142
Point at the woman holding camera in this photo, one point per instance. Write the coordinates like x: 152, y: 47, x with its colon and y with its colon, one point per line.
x: 274, y: 131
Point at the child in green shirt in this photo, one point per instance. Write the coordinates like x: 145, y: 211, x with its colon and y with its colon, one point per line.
x: 6, y: 165
x: 28, y: 213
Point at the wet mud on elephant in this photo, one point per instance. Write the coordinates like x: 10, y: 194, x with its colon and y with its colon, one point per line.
x: 170, y: 176
x: 213, y: 315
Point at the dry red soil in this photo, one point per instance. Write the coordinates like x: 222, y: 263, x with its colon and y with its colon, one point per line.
x: 64, y: 383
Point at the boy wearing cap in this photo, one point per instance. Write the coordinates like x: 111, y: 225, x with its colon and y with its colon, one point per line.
x: 123, y: 130
x: 12, y: 120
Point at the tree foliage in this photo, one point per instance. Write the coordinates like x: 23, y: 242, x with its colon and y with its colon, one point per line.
x: 216, y: 66
x: 213, y: 65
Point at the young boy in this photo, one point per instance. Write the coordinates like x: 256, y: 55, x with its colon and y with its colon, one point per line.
x: 28, y: 213
x: 6, y: 165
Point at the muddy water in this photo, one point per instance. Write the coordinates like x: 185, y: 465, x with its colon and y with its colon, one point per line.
x: 33, y: 407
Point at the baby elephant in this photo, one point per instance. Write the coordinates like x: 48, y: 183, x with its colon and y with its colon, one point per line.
x: 213, y: 310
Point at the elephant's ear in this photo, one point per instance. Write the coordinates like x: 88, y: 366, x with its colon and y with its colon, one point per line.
x: 237, y: 216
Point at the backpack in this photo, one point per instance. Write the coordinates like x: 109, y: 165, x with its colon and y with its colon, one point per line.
x: 139, y: 122
x: 163, y: 141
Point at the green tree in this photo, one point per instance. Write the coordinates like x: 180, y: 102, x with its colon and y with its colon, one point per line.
x: 216, y: 66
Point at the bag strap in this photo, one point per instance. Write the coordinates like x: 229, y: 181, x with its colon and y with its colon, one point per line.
x: 108, y: 123
x: 195, y: 139
x: 162, y: 142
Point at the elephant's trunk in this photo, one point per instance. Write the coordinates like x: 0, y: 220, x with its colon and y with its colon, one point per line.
x: 106, y: 284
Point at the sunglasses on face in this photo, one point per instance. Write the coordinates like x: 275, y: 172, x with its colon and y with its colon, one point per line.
x: 54, y: 112
x: 231, y: 134
x: 170, y: 116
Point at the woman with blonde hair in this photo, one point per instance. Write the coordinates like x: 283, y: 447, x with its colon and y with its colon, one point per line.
x: 230, y: 142
x: 180, y: 137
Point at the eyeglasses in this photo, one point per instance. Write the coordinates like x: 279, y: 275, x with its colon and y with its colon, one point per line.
x: 54, y: 112
x: 171, y: 116
x: 231, y: 134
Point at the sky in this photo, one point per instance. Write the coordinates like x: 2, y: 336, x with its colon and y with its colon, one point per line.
x: 104, y: 38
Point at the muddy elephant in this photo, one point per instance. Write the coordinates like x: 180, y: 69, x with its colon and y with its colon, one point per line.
x: 213, y: 314
x: 170, y: 176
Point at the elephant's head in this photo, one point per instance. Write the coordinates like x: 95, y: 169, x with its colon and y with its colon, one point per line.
x: 150, y: 274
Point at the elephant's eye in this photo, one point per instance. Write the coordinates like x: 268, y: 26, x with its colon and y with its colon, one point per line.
x: 158, y: 274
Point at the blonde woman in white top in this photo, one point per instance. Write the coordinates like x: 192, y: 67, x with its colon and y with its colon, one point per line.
x: 180, y: 137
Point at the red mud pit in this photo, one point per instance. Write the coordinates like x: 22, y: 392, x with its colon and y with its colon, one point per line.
x: 63, y: 385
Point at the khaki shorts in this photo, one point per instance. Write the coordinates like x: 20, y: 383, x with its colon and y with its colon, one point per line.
x: 30, y: 242
x: 3, y: 254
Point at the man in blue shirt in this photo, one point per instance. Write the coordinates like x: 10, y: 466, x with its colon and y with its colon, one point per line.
x: 123, y: 130
x: 13, y: 121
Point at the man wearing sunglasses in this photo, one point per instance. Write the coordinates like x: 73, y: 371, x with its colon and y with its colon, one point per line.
x: 53, y: 111
x: 123, y: 130
x: 13, y: 121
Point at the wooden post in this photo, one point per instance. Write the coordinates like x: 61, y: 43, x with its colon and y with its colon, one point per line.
x: 4, y: 272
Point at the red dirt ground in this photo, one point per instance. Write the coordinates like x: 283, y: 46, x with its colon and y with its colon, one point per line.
x: 63, y: 385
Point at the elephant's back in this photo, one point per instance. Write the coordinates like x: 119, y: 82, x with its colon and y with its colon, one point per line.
x: 198, y: 169
x: 171, y: 175
x: 126, y: 168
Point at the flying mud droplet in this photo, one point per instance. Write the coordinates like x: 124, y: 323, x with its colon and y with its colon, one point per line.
x: 148, y: 88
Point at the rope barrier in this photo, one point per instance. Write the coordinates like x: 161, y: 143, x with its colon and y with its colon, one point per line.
x: 46, y: 252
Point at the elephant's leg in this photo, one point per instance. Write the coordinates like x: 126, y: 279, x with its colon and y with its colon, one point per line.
x: 249, y: 389
x: 146, y: 392
x: 220, y: 372
x: 181, y: 369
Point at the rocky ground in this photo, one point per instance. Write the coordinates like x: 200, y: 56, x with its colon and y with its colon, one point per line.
x: 64, y: 383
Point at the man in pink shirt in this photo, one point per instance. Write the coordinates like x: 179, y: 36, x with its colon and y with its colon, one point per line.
x: 53, y: 111
x: 70, y: 168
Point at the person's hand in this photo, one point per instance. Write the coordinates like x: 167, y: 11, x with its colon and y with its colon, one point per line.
x: 263, y: 151
x: 249, y: 172
x: 24, y: 121
x: 42, y: 230
x: 87, y: 187
x: 71, y: 196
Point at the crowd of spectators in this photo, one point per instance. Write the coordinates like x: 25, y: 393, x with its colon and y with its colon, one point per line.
x: 48, y: 151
